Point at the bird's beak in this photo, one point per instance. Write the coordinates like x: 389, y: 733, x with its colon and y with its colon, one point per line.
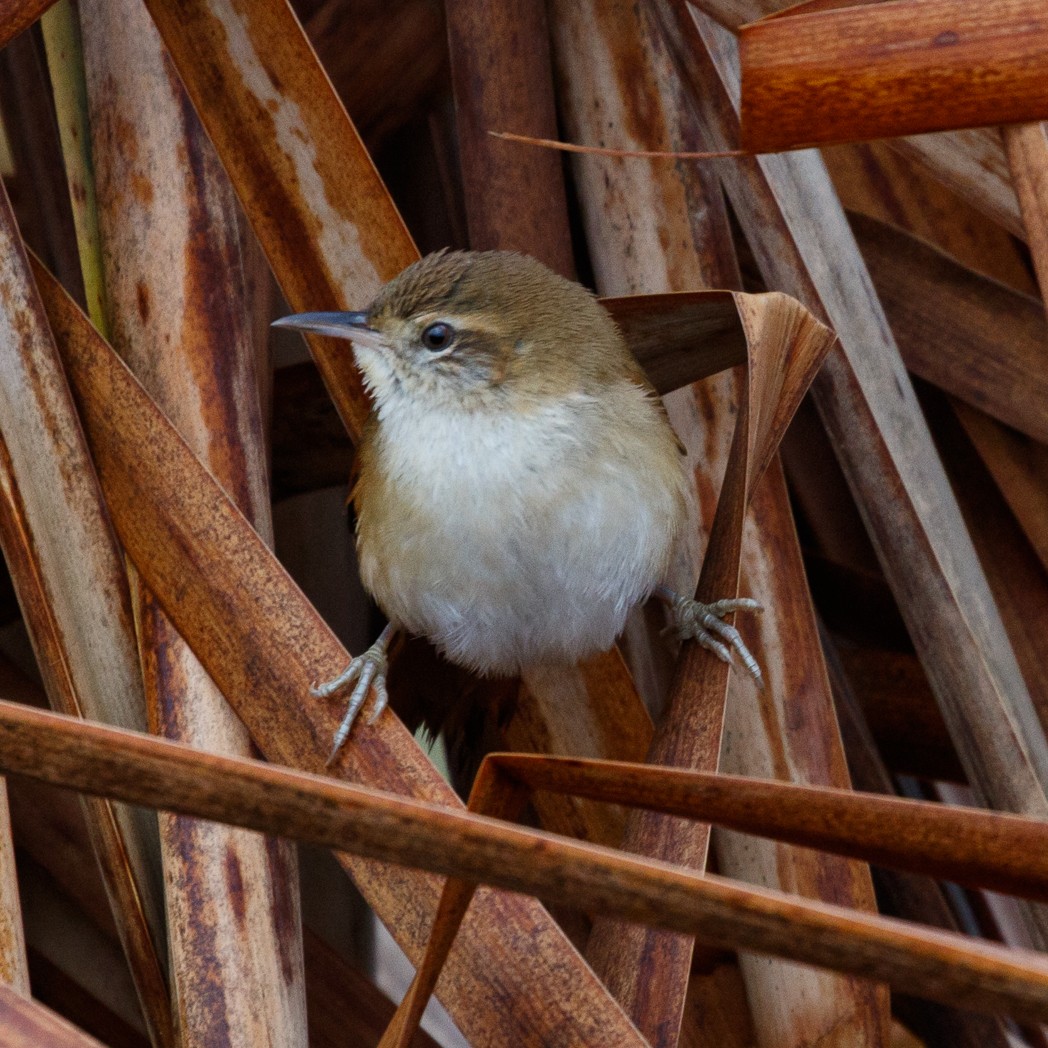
x: 335, y: 325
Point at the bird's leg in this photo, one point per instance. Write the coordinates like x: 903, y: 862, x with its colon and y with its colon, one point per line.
x: 369, y: 671
x: 691, y: 619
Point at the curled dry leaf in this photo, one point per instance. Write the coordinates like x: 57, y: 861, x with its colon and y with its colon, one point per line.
x: 656, y: 226
x: 785, y: 347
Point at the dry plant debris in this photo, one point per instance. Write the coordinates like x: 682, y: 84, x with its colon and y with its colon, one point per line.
x: 851, y: 343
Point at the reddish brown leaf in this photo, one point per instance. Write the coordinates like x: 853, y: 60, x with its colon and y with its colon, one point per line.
x: 145, y: 770
x: 884, y: 70
x: 18, y: 15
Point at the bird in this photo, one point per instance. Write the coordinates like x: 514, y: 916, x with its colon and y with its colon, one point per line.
x: 519, y: 488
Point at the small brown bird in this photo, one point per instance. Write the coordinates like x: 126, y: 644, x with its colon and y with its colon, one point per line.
x: 520, y: 489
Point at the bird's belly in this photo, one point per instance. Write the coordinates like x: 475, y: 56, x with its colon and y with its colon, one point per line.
x: 498, y: 582
x: 516, y: 542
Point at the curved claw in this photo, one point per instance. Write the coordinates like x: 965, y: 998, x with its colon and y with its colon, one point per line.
x: 330, y: 687
x: 704, y: 624
x: 705, y: 638
x: 730, y: 604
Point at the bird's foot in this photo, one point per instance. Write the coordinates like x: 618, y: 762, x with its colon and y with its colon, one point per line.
x: 368, y: 671
x: 693, y: 620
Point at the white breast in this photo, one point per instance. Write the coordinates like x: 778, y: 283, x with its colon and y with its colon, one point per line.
x: 511, y: 539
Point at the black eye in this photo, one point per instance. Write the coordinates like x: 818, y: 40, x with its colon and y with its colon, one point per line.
x: 438, y: 336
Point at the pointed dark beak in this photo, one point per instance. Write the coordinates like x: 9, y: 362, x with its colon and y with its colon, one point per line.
x: 336, y: 325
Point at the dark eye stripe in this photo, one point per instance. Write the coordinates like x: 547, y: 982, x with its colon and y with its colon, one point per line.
x: 438, y: 336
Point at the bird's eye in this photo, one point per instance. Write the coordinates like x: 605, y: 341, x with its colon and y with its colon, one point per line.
x: 438, y: 336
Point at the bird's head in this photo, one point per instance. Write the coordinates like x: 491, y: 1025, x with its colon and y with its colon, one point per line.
x: 478, y: 328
